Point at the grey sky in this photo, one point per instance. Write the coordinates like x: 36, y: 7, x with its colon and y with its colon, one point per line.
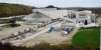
x: 59, y: 3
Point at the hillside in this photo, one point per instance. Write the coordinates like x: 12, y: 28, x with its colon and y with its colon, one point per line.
x: 96, y: 10
x: 13, y: 9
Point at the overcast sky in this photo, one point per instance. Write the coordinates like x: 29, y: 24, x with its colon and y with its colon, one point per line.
x: 59, y: 3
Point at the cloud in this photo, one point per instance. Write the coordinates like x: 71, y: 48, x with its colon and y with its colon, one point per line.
x: 60, y: 3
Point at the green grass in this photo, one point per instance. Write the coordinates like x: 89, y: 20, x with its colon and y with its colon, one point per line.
x: 87, y: 37
x: 7, y: 10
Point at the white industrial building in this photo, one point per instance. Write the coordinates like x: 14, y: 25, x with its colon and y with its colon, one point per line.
x: 80, y: 18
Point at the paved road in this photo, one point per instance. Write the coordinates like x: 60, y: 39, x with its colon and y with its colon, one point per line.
x: 44, y: 29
